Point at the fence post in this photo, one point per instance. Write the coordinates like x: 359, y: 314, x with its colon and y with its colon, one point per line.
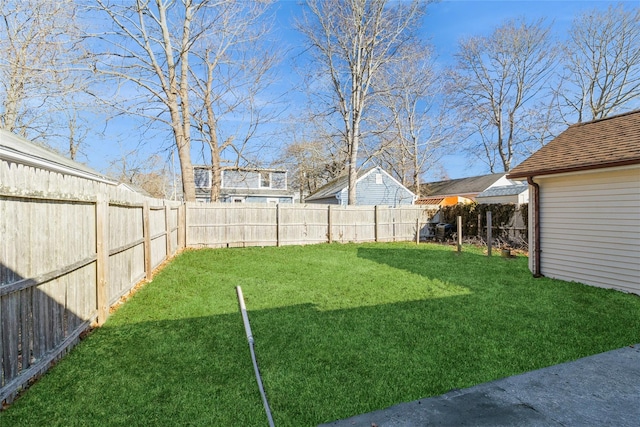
x: 278, y: 224
x: 329, y: 225
x: 417, y: 231
x: 489, y: 233
x: 375, y: 222
x: 102, y: 257
x: 459, y: 233
x: 479, y: 231
x: 167, y: 226
x: 146, y: 235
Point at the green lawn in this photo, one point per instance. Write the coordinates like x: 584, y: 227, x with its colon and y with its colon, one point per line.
x: 339, y: 330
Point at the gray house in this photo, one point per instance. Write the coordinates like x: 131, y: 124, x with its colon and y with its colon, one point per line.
x: 244, y: 185
x: 374, y: 187
x: 516, y: 193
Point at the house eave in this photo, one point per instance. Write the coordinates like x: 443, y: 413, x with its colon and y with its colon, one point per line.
x: 581, y: 168
x: 18, y: 157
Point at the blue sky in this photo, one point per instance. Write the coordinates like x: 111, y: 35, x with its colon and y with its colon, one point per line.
x: 446, y: 23
x: 449, y: 21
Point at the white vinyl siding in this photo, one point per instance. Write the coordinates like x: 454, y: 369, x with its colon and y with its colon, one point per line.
x: 590, y: 227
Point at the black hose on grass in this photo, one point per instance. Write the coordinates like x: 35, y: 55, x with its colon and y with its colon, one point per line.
x: 247, y: 329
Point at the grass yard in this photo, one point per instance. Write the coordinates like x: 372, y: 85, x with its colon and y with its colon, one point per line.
x: 339, y: 330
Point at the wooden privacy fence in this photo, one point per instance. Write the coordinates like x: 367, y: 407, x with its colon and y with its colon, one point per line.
x: 65, y: 260
x: 72, y: 246
x: 232, y: 225
x: 66, y: 255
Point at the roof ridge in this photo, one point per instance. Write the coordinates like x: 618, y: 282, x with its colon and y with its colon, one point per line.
x: 602, y: 119
x: 608, y: 142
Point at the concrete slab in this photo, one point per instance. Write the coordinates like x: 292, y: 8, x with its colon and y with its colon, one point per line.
x: 600, y: 390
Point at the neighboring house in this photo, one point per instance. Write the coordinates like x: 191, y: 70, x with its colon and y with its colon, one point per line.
x: 516, y: 194
x: 240, y: 185
x: 134, y: 189
x: 585, y: 204
x: 374, y: 187
x: 21, y: 151
x: 463, y: 190
x: 82, y: 182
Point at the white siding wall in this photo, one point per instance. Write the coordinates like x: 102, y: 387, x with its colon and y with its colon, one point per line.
x: 590, y: 228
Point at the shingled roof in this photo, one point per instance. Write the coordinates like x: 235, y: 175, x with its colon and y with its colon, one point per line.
x: 461, y: 186
x: 609, y: 142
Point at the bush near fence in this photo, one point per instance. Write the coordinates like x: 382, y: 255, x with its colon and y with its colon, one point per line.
x: 509, y: 222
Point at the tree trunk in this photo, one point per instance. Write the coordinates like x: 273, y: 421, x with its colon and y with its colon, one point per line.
x: 216, y: 172
x: 188, y: 183
x: 353, y: 164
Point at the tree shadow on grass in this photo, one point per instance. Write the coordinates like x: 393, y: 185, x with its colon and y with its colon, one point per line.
x: 339, y: 363
x: 320, y: 364
x: 168, y: 372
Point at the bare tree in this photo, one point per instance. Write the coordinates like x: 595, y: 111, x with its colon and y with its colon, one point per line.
x: 311, y: 165
x: 149, y: 174
x: 233, y: 69
x: 410, y: 96
x: 42, y: 73
x: 494, y: 82
x: 313, y: 157
x: 601, y: 63
x: 351, y: 41
x: 158, y: 48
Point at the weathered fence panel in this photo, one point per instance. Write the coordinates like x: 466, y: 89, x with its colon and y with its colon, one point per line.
x: 303, y: 226
x: 158, y: 235
x: 231, y: 225
x: 52, y: 282
x: 125, y: 248
x: 353, y: 224
x: 228, y: 225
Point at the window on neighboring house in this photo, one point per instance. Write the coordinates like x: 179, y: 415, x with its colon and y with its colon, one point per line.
x: 279, y: 180
x: 265, y: 179
x: 202, y: 177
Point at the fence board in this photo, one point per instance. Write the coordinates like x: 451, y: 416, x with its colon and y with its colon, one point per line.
x: 26, y: 329
x: 10, y: 335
